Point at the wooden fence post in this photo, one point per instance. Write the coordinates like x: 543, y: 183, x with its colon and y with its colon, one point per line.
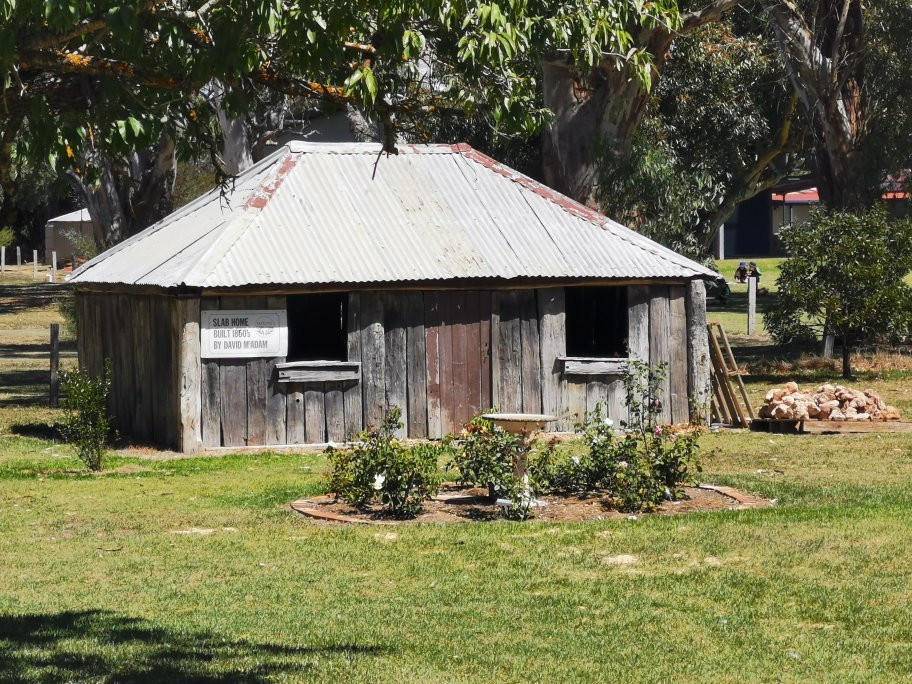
x: 54, y: 267
x: 55, y: 364
x: 18, y: 256
x: 751, y: 305
x: 35, y: 264
x: 3, y: 259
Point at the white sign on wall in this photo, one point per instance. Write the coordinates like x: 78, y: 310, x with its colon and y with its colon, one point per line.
x: 244, y: 334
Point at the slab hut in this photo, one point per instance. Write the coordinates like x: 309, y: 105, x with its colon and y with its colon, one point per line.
x: 328, y: 285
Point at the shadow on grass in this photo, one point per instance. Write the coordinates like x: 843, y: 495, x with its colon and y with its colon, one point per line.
x: 37, y: 430
x: 103, y: 645
x: 21, y: 298
x: 30, y: 387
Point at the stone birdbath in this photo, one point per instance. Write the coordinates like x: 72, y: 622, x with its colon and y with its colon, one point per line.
x: 526, y: 426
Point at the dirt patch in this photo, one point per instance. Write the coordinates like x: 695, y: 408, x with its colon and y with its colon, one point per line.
x: 456, y: 504
x: 126, y: 470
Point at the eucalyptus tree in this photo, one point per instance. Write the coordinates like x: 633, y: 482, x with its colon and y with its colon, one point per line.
x: 102, y: 79
x: 722, y: 126
x: 851, y: 64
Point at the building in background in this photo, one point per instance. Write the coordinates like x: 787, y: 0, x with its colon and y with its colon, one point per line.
x: 60, y: 232
x: 753, y: 230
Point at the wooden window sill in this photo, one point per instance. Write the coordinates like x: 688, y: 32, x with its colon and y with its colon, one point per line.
x: 585, y: 365
x: 319, y: 371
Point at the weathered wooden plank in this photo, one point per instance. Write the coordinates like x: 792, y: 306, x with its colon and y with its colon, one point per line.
x: 531, y: 352
x: 256, y: 388
x: 79, y: 304
x: 191, y: 374
x: 256, y: 401
x: 474, y: 372
x: 146, y: 383
x: 576, y: 402
x: 166, y: 363
x: 484, y: 336
x: 373, y: 355
x: 395, y: 362
x: 354, y: 416
x: 597, y: 395
x: 314, y: 414
x: 460, y: 384
x: 508, y: 365
x: 446, y: 307
x: 275, y: 395
x: 553, y: 346
x: 617, y: 398
x: 698, y: 360
x: 638, y: 297
x: 211, y: 422
x: 123, y: 334
x: 659, y: 343
x: 319, y: 371
x: 108, y: 323
x: 294, y: 415
x: 432, y: 331
x: 334, y: 404
x: 416, y: 360
x: 592, y: 366
x: 233, y: 389
x: 677, y: 361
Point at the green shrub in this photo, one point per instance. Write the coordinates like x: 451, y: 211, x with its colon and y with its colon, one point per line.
x: 648, y: 463
x: 6, y: 236
x: 84, y: 246
x: 487, y: 457
x: 380, y: 468
x: 86, y: 425
x: 845, y: 276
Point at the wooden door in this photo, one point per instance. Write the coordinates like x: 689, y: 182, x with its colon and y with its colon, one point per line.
x: 458, y: 330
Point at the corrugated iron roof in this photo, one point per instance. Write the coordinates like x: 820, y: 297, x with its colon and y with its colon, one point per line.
x: 78, y: 216
x: 325, y: 213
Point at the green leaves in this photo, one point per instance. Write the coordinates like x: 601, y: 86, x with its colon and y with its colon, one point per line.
x: 846, y: 274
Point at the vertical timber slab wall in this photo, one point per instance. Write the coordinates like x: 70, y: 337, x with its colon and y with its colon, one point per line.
x: 139, y: 335
x: 442, y: 357
x: 698, y: 363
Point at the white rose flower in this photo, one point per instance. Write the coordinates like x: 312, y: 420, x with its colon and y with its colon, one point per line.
x: 378, y: 481
x: 608, y: 421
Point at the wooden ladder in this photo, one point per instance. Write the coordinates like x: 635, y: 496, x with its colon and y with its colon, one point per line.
x: 726, y: 406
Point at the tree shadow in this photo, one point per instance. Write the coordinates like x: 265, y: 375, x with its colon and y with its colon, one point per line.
x: 30, y: 387
x: 40, y: 351
x: 46, y: 431
x: 96, y: 644
x: 20, y: 298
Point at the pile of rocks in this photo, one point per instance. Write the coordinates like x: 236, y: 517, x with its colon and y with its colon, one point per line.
x: 828, y: 402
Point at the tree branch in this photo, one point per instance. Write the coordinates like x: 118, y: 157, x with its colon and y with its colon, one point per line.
x: 710, y: 13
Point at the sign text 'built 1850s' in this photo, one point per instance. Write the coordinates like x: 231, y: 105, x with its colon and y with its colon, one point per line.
x: 243, y: 334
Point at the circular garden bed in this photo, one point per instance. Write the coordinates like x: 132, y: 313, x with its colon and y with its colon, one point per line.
x: 455, y: 504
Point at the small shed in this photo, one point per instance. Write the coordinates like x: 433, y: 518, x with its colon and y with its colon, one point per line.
x: 331, y: 283
x: 58, y: 234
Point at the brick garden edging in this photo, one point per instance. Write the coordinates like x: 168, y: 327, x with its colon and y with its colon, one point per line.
x: 311, y: 507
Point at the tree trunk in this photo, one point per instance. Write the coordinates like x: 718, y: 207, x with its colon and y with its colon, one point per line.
x: 846, y: 358
x: 824, y: 57
x: 132, y: 194
x: 594, y: 116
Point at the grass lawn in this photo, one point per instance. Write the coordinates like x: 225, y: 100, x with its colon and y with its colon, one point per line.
x: 193, y: 570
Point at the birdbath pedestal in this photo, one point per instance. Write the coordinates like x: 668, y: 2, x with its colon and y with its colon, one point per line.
x: 526, y: 426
